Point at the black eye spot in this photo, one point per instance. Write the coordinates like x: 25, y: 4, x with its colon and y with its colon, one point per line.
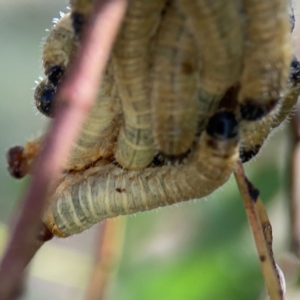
x: 55, y: 74
x: 251, y: 111
x: 78, y: 20
x: 222, y: 126
x: 295, y: 70
x: 44, y: 98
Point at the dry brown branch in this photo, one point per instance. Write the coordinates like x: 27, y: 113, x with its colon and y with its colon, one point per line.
x: 107, y: 258
x: 294, y: 186
x: 76, y: 97
x: 262, y: 233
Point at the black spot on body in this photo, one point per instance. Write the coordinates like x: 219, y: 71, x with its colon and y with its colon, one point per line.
x: 173, y: 159
x: 119, y: 190
x: 187, y: 68
x: 251, y: 111
x: 78, y: 21
x: 253, y: 192
x: 247, y: 155
x: 222, y: 126
x: 295, y: 70
x: 55, y: 74
x: 292, y: 19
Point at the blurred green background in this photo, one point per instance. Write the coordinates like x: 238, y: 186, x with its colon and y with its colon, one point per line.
x: 194, y: 251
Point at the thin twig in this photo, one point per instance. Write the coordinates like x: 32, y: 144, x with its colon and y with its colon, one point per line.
x: 262, y: 233
x: 107, y: 258
x: 294, y: 186
x: 76, y: 97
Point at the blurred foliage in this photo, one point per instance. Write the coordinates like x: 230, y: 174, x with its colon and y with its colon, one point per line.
x: 201, y: 250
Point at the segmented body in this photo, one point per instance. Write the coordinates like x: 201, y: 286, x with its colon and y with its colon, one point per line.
x: 107, y: 191
x: 131, y: 57
x: 174, y: 101
x: 169, y: 76
x: 264, y: 76
x: 217, y: 30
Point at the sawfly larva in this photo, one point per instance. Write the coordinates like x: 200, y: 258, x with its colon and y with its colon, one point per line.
x: 174, y: 103
x: 268, y: 55
x: 131, y: 58
x: 106, y: 190
x: 166, y: 62
x: 216, y: 27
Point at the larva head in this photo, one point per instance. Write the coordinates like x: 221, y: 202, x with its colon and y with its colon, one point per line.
x: 17, y: 162
x: 44, y: 97
x: 44, y: 234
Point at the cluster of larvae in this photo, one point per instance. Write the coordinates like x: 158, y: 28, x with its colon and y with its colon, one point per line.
x: 191, y: 87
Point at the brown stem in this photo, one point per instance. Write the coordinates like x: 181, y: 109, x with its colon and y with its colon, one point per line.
x: 262, y: 233
x: 107, y: 258
x: 76, y: 97
x: 294, y: 185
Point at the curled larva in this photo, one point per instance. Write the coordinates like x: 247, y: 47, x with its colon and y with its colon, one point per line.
x: 131, y: 59
x: 267, y: 56
x: 174, y: 102
x: 253, y: 134
x: 217, y: 31
x: 99, y: 131
x: 105, y: 191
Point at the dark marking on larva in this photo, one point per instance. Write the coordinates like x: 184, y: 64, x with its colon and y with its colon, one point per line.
x: 229, y: 100
x: 119, y: 190
x: 45, y: 100
x: 55, y: 74
x: 253, y: 111
x: 187, y: 68
x: 173, y: 159
x: 262, y: 258
x: 246, y: 155
x: 44, y: 234
x: 292, y: 19
x: 253, y: 192
x: 78, y: 21
x: 17, y: 165
x: 222, y: 126
x: 295, y: 71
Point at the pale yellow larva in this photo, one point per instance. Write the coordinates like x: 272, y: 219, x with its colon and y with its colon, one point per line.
x: 217, y: 29
x: 131, y: 59
x: 174, y: 102
x: 99, y: 131
x: 105, y: 191
x: 267, y: 56
x: 253, y: 134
